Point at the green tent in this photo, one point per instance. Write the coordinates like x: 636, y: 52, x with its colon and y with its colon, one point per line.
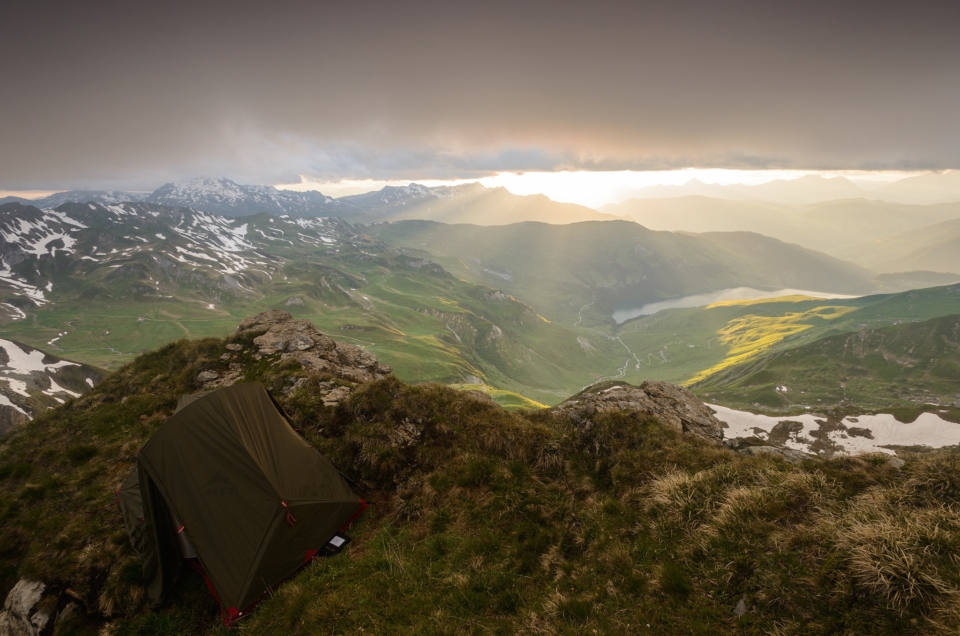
x: 227, y: 484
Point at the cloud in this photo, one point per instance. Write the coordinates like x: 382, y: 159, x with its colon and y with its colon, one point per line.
x: 113, y: 94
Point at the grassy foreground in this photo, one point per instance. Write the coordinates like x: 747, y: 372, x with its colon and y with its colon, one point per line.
x: 491, y: 521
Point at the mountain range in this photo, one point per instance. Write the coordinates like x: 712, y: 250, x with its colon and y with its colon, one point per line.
x: 830, y: 226
x: 104, y: 282
x: 469, y: 203
x: 452, y: 204
x: 933, y: 187
x: 524, y: 307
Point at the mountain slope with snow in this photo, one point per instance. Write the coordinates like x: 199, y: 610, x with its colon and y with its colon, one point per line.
x: 32, y: 381
x: 140, y: 249
x: 223, y: 196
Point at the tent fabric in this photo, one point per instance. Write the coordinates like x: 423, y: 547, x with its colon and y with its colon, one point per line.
x: 160, y: 564
x: 131, y: 506
x: 161, y: 560
x: 190, y: 398
x: 254, y: 499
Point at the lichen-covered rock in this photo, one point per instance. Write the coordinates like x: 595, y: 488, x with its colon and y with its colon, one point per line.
x: 669, y: 404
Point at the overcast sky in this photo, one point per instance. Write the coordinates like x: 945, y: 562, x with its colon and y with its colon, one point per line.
x: 133, y: 94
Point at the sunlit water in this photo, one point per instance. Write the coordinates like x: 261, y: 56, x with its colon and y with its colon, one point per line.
x: 701, y: 300
x: 929, y: 429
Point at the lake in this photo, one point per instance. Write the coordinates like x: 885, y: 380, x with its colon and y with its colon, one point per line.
x: 701, y: 300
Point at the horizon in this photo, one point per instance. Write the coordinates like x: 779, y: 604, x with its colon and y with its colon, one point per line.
x: 592, y: 189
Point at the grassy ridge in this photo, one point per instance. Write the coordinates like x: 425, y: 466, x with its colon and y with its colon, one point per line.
x: 423, y: 322
x: 492, y: 521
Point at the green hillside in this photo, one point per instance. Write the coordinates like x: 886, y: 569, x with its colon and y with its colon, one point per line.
x: 522, y: 309
x: 498, y: 522
x: 685, y: 345
x: 581, y: 271
x: 906, y: 365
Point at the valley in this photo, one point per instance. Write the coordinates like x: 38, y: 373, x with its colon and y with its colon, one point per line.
x: 804, y: 362
x: 529, y: 313
x: 558, y: 269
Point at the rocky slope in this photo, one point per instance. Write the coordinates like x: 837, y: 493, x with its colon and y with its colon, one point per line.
x: 137, y: 248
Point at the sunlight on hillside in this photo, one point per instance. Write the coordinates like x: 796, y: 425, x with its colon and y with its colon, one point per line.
x: 795, y: 298
x: 750, y: 336
x: 507, y: 399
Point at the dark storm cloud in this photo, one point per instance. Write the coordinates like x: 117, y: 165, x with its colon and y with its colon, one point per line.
x: 130, y: 94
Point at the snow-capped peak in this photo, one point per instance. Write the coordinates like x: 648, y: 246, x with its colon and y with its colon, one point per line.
x: 226, y: 197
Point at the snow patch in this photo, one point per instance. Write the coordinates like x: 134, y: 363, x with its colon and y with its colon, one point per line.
x: 17, y: 386
x: 5, y: 401
x: 26, y: 361
x: 56, y: 388
x: 17, y: 312
x: 929, y: 429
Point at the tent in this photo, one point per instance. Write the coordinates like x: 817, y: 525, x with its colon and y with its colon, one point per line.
x: 228, y: 485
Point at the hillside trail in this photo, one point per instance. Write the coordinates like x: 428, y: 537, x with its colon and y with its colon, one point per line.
x: 622, y: 371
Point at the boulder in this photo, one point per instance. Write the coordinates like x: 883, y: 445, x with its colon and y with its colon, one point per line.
x: 18, y: 617
x: 207, y: 376
x: 669, y: 404
x: 791, y: 455
x: 263, y: 321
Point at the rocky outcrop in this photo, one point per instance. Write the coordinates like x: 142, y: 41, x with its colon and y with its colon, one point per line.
x: 669, y: 404
x: 20, y: 616
x: 287, y: 339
